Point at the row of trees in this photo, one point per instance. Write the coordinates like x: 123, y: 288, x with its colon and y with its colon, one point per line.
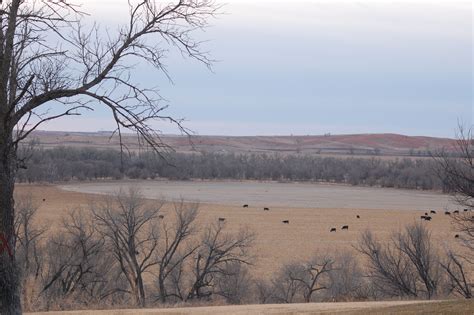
x: 67, y: 163
x: 124, y: 251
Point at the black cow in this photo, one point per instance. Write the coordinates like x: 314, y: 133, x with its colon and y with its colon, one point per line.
x: 427, y: 218
x: 433, y: 212
x: 44, y: 199
x: 426, y: 213
x: 358, y: 216
x: 286, y: 221
x: 447, y: 213
x: 345, y: 227
x: 245, y: 206
x: 161, y: 216
x: 266, y: 209
x: 456, y: 236
x: 333, y: 230
x: 423, y: 217
x: 221, y: 219
x: 465, y: 210
x: 456, y: 211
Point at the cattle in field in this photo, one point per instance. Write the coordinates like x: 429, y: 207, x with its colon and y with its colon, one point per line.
x: 44, y: 199
x: 266, y: 209
x: 345, y: 227
x: 423, y: 217
x: 285, y: 222
x: 333, y: 230
x: 427, y: 218
x: 465, y: 210
x: 161, y: 216
x: 456, y: 211
x: 447, y: 213
x: 245, y: 206
x: 426, y: 213
x: 433, y: 212
x: 358, y: 216
x: 221, y: 219
x: 456, y: 236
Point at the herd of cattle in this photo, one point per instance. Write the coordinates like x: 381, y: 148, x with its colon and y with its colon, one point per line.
x: 426, y: 217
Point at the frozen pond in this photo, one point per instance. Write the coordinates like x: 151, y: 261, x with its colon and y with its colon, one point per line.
x: 294, y: 195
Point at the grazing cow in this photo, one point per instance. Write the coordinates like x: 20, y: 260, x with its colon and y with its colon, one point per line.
x: 161, y: 216
x: 358, y: 216
x: 423, y: 217
x: 345, y: 227
x: 427, y: 218
x: 456, y: 236
x: 266, y: 209
x: 221, y: 219
x: 456, y: 211
x: 447, y: 213
x: 465, y: 210
x: 433, y: 212
x: 333, y: 230
x: 426, y: 213
x: 245, y: 206
x: 286, y: 221
x: 44, y: 199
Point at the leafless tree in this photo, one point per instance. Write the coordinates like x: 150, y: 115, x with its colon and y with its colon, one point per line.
x: 303, y: 279
x: 407, y: 265
x: 391, y: 272
x: 175, y: 249
x: 77, y: 267
x: 286, y: 286
x: 456, y: 167
x: 234, y: 284
x: 52, y: 66
x: 459, y: 280
x: 415, y: 243
x: 217, y: 251
x: 132, y: 233
x: 28, y: 243
x: 346, y: 279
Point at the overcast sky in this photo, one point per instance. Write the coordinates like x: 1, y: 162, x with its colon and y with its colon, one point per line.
x: 311, y: 67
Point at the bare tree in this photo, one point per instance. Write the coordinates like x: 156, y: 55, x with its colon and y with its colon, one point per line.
x: 456, y: 168
x: 76, y: 263
x: 346, y: 279
x: 175, y: 249
x: 49, y: 58
x: 234, y: 284
x: 459, y: 279
x: 286, y: 285
x: 390, y: 270
x: 131, y: 231
x: 217, y: 251
x: 415, y: 243
x: 27, y: 245
x: 407, y: 265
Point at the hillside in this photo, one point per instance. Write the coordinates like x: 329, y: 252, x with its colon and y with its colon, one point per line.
x: 357, y: 144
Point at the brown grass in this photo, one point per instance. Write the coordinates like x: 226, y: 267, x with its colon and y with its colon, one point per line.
x: 458, y: 307
x: 276, y: 243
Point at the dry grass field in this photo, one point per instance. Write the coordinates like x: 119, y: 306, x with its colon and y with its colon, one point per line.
x: 276, y: 243
x: 354, y: 308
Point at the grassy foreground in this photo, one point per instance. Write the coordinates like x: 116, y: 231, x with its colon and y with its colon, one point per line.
x: 458, y: 307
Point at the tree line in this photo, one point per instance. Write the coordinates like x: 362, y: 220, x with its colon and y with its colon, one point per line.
x: 125, y: 252
x: 68, y: 163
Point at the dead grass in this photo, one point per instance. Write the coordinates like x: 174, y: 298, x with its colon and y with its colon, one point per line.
x: 458, y: 307
x: 276, y: 243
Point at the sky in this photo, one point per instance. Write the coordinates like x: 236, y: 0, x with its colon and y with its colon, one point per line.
x: 314, y: 67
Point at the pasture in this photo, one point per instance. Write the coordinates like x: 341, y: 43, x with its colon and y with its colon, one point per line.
x: 310, y: 209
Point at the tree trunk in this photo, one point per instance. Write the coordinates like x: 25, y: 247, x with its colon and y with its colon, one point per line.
x: 10, y: 302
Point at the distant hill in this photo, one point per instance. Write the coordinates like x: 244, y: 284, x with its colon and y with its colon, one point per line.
x: 357, y: 144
